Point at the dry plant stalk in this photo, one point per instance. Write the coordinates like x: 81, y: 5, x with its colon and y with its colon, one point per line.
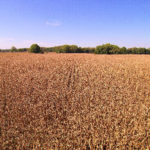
x: 74, y: 101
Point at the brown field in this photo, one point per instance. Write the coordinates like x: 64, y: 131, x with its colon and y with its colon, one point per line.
x: 74, y: 101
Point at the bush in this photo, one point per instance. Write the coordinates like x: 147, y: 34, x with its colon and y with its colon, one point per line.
x: 147, y: 51
x: 66, y: 49
x: 107, y: 49
x: 13, y: 49
x: 47, y: 49
x: 35, y: 48
x: 101, y: 49
x: 140, y: 50
x: 22, y: 50
x: 88, y: 50
x: 73, y: 49
x: 123, y: 50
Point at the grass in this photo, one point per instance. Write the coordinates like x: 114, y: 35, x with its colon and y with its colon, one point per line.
x: 74, y: 101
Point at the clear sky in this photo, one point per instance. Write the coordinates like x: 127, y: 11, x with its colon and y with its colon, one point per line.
x: 81, y: 22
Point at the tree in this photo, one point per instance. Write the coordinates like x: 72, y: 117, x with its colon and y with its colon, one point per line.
x: 35, y: 48
x: 147, y: 51
x: 88, y: 50
x: 107, y: 49
x: 13, y: 49
x: 22, y: 49
x: 65, y: 49
x: 123, y: 50
x: 73, y: 49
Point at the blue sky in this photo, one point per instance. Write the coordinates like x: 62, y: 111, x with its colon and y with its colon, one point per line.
x: 81, y: 22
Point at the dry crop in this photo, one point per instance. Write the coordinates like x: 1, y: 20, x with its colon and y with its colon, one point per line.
x: 74, y: 101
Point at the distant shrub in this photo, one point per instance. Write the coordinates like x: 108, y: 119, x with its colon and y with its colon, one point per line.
x: 35, y: 48
x: 13, y: 49
x: 107, y: 49
x: 47, y: 49
x: 88, y: 50
x: 66, y: 49
x: 123, y: 50
x: 101, y: 49
x: 140, y: 50
x: 114, y: 49
x: 73, y: 49
x: 148, y: 51
x: 22, y: 50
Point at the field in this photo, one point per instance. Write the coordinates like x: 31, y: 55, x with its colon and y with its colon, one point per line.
x: 74, y: 101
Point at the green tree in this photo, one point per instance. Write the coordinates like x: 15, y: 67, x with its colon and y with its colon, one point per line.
x: 73, y: 49
x: 147, y: 51
x: 13, y: 49
x: 123, y: 50
x: 35, y: 48
x: 107, y: 49
x: 65, y: 49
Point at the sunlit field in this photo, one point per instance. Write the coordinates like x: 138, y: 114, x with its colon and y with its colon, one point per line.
x: 74, y: 101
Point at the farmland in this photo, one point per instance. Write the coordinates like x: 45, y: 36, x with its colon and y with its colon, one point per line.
x: 74, y: 101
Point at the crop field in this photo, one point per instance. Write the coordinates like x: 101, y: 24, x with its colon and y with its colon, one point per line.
x: 74, y: 101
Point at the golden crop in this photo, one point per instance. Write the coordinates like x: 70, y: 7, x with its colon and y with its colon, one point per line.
x: 74, y: 101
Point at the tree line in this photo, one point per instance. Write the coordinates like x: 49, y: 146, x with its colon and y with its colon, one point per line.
x: 101, y: 49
